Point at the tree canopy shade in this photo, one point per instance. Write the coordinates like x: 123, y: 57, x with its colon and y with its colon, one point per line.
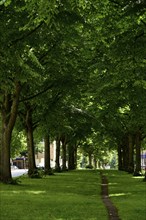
x: 29, y: 36
x: 66, y: 60
x: 120, y: 94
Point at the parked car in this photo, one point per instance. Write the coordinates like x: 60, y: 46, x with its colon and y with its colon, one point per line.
x: 13, y: 167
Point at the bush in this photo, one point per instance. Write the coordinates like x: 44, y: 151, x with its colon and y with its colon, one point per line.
x: 37, y: 173
x: 89, y: 166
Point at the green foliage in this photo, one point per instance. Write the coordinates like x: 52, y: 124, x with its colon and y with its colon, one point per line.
x: 116, y: 68
x: 5, y: 2
x: 36, y: 174
x: 81, y: 65
x: 18, y: 143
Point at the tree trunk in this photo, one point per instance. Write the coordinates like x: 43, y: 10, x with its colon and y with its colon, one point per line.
x: 5, y: 170
x: 95, y: 162
x: 120, y: 158
x: 125, y: 153
x: 9, y: 110
x: 75, y: 156
x: 137, y: 171
x: 131, y: 154
x: 63, y: 140
x: 47, y: 156
x: 57, y: 162
x: 90, y: 159
x: 71, y: 157
x: 32, y: 170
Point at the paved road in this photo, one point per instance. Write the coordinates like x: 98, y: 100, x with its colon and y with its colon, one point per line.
x: 18, y: 172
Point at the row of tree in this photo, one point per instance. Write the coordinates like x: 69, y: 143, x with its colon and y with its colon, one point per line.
x: 42, y: 71
x: 71, y: 69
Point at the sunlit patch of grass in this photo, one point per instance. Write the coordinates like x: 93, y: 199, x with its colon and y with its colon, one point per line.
x: 67, y: 196
x: 128, y: 195
x: 137, y: 177
x: 119, y: 194
x: 112, y: 183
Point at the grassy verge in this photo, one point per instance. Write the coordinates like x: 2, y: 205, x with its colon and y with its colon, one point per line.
x: 128, y: 193
x: 65, y: 196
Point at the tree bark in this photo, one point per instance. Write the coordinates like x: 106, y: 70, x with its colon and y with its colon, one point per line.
x: 9, y: 110
x: 75, y: 156
x: 131, y: 154
x: 64, y: 159
x: 57, y: 162
x: 95, y: 162
x: 30, y: 142
x: 137, y: 171
x: 71, y: 157
x: 120, y: 158
x: 90, y: 159
x: 125, y: 153
x: 47, y: 155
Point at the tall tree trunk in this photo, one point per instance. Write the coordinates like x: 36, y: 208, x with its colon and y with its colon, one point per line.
x: 71, y: 157
x: 5, y: 170
x: 9, y: 110
x: 137, y: 171
x: 75, y: 156
x: 131, y: 154
x: 120, y: 157
x: 64, y: 159
x: 125, y: 153
x: 47, y: 155
x: 95, y: 162
x: 57, y: 161
x: 32, y: 170
x: 90, y: 159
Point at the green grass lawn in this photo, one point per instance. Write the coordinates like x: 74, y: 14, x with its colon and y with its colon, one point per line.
x: 70, y: 195
x: 73, y: 195
x: 128, y: 193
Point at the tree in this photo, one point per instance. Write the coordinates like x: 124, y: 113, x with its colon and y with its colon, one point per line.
x: 12, y: 79
x: 9, y: 108
x: 18, y: 142
x: 82, y: 53
x: 17, y: 48
x: 119, y: 73
x: 47, y: 155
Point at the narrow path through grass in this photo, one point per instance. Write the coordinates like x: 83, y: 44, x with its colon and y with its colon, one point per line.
x: 112, y: 210
x: 128, y: 194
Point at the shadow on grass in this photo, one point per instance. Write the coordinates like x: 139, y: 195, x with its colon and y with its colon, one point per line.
x: 67, y: 196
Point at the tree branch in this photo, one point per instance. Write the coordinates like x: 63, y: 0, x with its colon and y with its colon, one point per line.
x: 56, y: 98
x: 37, y: 94
x: 116, y: 3
x: 143, y: 22
x: 49, y: 50
x: 140, y: 35
x: 26, y: 35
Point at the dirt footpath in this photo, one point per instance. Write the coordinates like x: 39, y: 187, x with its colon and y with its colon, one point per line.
x: 112, y: 211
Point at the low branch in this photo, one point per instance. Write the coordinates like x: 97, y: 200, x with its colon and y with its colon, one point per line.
x: 56, y: 98
x: 35, y: 124
x: 26, y: 35
x: 37, y: 94
x: 140, y: 35
x: 116, y: 3
x: 143, y: 22
x: 49, y: 50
